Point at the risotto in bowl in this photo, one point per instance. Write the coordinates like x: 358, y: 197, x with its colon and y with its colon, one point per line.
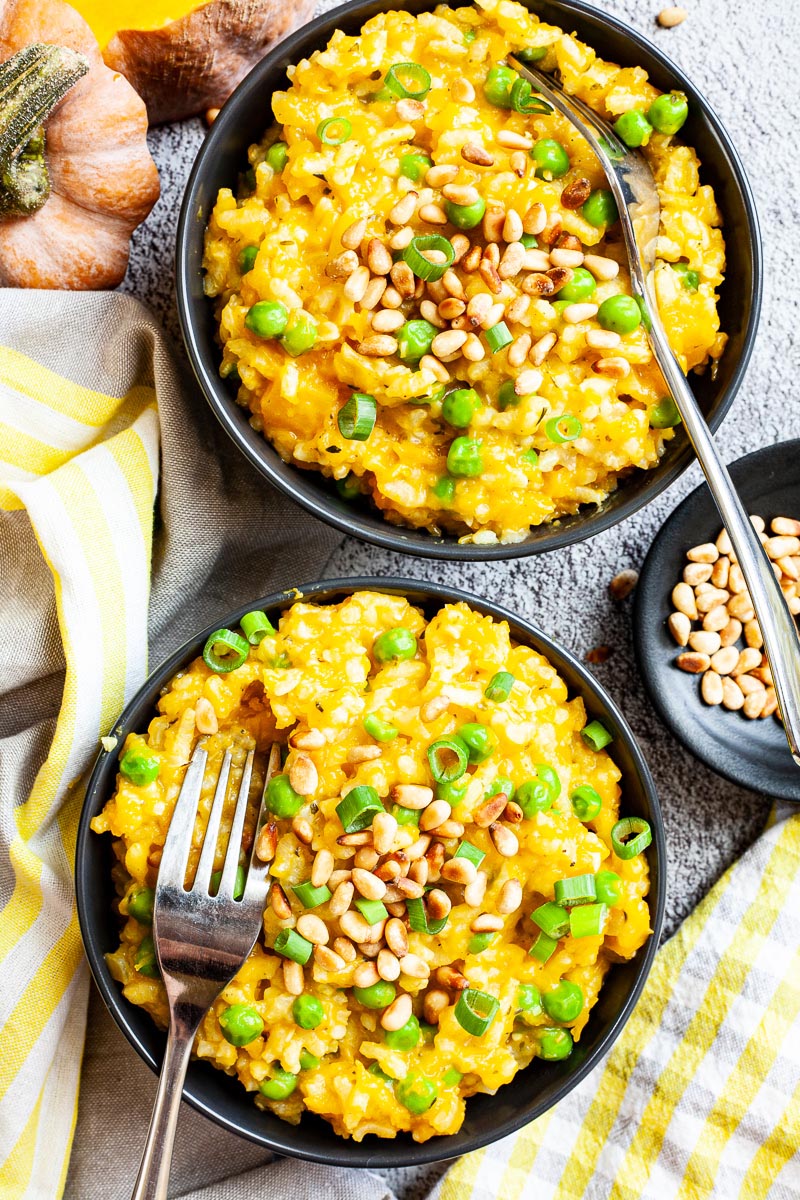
x: 420, y: 288
x: 465, y: 856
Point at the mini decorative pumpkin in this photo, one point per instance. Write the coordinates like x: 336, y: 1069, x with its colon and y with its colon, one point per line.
x: 184, y: 57
x: 73, y: 197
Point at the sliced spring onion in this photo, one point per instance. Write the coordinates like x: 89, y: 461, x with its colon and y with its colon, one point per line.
x: 500, y: 686
x: 475, y: 1011
x: 467, y: 850
x: 498, y: 336
x: 551, y: 919
x: 524, y: 100
x: 418, y: 918
x: 543, y: 947
x: 588, y: 920
x: 447, y: 758
x: 563, y: 429
x: 405, y: 816
x: 631, y: 836
x: 382, y: 731
x: 356, y: 419
x: 334, y: 131
x: 310, y: 896
x: 372, y: 911
x: 408, y: 80
x: 291, y: 945
x: 255, y: 626
x: 225, y: 651
x: 414, y: 256
x: 479, y: 941
x: 596, y: 735
x: 578, y: 889
x: 357, y: 810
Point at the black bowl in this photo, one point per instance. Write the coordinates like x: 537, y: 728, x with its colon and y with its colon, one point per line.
x: 488, y: 1118
x: 243, y: 121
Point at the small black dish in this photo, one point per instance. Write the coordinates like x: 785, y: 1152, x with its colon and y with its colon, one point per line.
x: 488, y: 1118
x: 754, y: 754
x: 219, y: 162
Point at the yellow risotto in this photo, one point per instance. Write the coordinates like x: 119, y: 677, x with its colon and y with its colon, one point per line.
x: 497, y: 375
x: 450, y: 880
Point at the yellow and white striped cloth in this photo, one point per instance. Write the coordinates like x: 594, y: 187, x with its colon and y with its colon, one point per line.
x: 700, y: 1098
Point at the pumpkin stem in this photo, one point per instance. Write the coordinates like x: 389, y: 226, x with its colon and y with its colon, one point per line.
x: 32, y: 83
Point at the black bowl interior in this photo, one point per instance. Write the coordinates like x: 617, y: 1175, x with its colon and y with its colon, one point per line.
x: 534, y: 1090
x: 243, y: 121
x: 754, y: 754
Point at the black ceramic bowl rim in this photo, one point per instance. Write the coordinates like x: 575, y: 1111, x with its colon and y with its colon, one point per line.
x: 307, y: 488
x: 318, y: 1143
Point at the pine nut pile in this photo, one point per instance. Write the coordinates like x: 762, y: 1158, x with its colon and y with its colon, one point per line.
x: 714, y: 615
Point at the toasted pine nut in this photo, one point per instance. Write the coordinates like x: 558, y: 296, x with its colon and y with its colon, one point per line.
x: 748, y: 660
x: 387, y: 964
x: 402, y: 238
x: 706, y: 553
x: 680, y: 627
x: 453, y: 285
x: 475, y: 889
x: 535, y: 219
x: 573, y: 314
x: 741, y: 607
x: 357, y: 928
x: 602, y: 268
x: 493, y: 221
x: 321, y: 868
x: 303, y: 775
x: 369, y: 949
x: 488, y: 812
x: 538, y: 285
x: 736, y: 581
x: 368, y: 884
x: 725, y: 660
x: 473, y: 349
x: 709, y: 597
x: 396, y: 936
x: 375, y: 289
x: 462, y: 91
x: 459, y: 870
x: 486, y: 923
x: 785, y: 526
x: 517, y: 312
x: 391, y: 298
x: 668, y: 18
x: 418, y: 871
x: 576, y: 193
x: 438, y: 904
x: 311, y: 739
x: 434, y: 707
x: 684, y: 601
x: 705, y: 642
x: 356, y: 284
x: 450, y: 829
x: 362, y: 837
x: 566, y: 258
x: 536, y: 260
x: 614, y: 368
x: 403, y: 210
x: 770, y: 704
x: 434, y: 815
x: 490, y: 277
x: 313, y: 929
x: 732, y: 695
x: 512, y: 140
x: 527, y: 382
x: 341, y: 899
x: 471, y: 152
x: 512, y: 226
x: 782, y: 546
x: 432, y: 214
x: 512, y: 261
x: 695, y: 573
x: 365, y: 859
x: 354, y: 234
x: 408, y: 889
x: 345, y: 949
x: 693, y: 662
x: 365, y: 975
x: 435, y: 1002
x: 384, y: 827
x: 397, y: 1013
x: 518, y: 350
x: 623, y: 584
x: 518, y: 163
x: 438, y: 176
x: 379, y: 260
x: 388, y: 321
x: 749, y: 684
x: 357, y: 754
x: 328, y: 959
x: 415, y: 967
x: 412, y: 795
x: 293, y: 977
x: 752, y: 635
x: 205, y: 718
x: 510, y: 897
x: 505, y: 841
x: 267, y: 842
x: 716, y: 618
x: 278, y: 902
x: 711, y: 688
x: 461, y: 244
x: 448, y: 344
x: 430, y: 313
x: 437, y: 369
x: 409, y: 110
x: 461, y: 193
x: 754, y: 703
x: 541, y: 349
x: 451, y: 978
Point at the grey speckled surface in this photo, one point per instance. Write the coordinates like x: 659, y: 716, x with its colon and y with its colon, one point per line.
x: 743, y: 56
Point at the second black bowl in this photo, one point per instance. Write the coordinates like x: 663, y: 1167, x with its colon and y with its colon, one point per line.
x: 488, y: 1118
x: 243, y: 121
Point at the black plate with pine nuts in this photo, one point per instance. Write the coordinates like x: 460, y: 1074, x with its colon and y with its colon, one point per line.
x: 697, y: 643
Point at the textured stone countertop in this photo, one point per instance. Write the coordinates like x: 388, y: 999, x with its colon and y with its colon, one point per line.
x: 743, y: 57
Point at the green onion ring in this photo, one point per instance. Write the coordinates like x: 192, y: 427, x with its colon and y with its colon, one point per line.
x: 256, y: 626
x: 310, y: 896
x: 358, y: 808
x: 356, y: 420
x: 576, y: 889
x: 524, y: 101
x: 292, y: 945
x: 622, y: 831
x: 422, y: 268
x: 334, y: 131
x: 415, y: 74
x: 418, y: 918
x: 498, y: 336
x: 563, y: 429
x: 475, y: 1011
x: 588, y: 920
x: 448, y: 746
x: 234, y: 643
x: 468, y: 851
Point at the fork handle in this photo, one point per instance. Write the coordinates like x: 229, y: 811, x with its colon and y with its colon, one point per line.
x: 153, y: 1177
x: 777, y: 624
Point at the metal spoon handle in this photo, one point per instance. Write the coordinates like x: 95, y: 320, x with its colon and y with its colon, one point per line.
x: 777, y: 624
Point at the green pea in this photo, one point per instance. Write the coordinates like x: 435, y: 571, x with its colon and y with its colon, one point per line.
x: 282, y: 799
x: 241, y: 1024
x: 140, y: 905
x: 381, y: 730
x: 139, y: 767
x: 414, y: 166
x: 530, y: 458
x: 309, y: 1061
x: 281, y: 1085
x: 586, y: 802
x: 444, y: 489
x: 416, y: 1093
x: 506, y: 396
x: 620, y: 314
x: 452, y: 1077
x: 428, y: 1031
x: 277, y: 155
x: 580, y: 287
x: 238, y: 883
x: 533, y: 797
x: 689, y: 278
x: 454, y: 791
x: 498, y: 84
x: 608, y: 886
x: 633, y: 128
x: 665, y: 414
x: 550, y: 779
x: 464, y: 458
x: 552, y: 160
x: 377, y: 1070
x: 532, y: 54
x: 465, y: 216
x: 479, y: 942
x: 267, y: 318
x: 479, y: 740
x: 145, y: 960
x: 500, y: 784
x: 529, y: 999
x: 564, y: 1002
x: 601, y: 208
x: 394, y: 643
x: 414, y: 340
x: 247, y: 258
x: 349, y: 487
x: 308, y: 1012
x: 404, y: 1038
x: 300, y: 336
x: 459, y: 406
x: 555, y: 1044
x: 377, y: 995
x: 668, y: 113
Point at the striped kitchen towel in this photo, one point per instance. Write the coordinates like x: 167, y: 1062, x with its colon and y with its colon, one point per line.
x: 88, y: 388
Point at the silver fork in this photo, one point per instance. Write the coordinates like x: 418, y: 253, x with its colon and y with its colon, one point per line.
x: 635, y: 192
x: 200, y: 940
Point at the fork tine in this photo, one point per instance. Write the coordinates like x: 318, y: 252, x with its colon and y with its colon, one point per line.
x: 237, y: 825
x: 172, y: 869
x: 205, y: 866
x: 258, y: 882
